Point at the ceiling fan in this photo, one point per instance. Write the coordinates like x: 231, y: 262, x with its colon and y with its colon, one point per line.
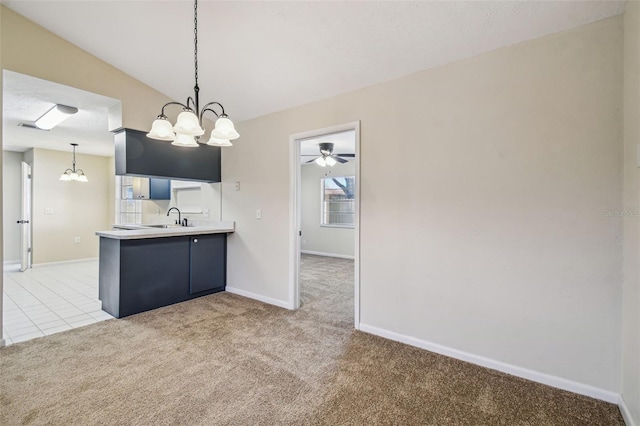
x: 327, y: 157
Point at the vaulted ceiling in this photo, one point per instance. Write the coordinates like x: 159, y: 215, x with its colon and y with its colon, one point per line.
x: 258, y: 57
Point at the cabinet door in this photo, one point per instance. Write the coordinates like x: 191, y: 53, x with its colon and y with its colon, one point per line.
x: 140, y: 188
x: 159, y: 189
x: 207, y: 262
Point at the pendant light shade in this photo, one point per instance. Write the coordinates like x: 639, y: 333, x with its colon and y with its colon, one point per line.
x: 218, y: 142
x: 185, y: 141
x: 74, y: 174
x: 161, y: 130
x: 330, y: 161
x: 224, y: 129
x: 320, y: 161
x: 188, y: 124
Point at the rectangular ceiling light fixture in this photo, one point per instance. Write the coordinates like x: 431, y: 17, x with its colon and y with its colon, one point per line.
x: 55, y: 116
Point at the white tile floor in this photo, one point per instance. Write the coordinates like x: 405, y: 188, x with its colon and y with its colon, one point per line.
x: 49, y: 299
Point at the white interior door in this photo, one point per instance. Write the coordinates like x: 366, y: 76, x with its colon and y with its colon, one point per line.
x: 25, y: 218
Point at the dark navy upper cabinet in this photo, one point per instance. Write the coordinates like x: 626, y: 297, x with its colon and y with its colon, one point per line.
x: 138, y: 188
x: 138, y: 155
x: 159, y: 189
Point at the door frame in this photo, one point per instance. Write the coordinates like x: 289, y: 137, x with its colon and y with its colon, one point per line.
x: 25, y: 215
x: 295, y: 210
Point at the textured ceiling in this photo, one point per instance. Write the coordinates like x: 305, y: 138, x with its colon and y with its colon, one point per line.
x: 26, y: 98
x: 260, y: 57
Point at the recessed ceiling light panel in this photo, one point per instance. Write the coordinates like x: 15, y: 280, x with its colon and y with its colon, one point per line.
x: 55, y: 116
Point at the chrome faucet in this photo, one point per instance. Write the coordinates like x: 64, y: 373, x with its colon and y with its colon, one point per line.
x: 178, y: 222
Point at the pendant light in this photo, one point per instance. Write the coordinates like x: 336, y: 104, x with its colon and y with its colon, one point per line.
x: 188, y: 127
x: 73, y: 173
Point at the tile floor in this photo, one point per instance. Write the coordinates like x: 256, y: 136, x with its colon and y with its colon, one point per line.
x: 49, y: 299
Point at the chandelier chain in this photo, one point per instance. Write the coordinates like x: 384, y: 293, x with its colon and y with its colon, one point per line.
x: 195, y: 33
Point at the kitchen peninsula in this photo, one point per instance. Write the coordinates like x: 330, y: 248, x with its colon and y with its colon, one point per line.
x: 150, y: 267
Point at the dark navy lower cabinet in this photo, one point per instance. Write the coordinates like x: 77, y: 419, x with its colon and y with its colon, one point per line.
x: 142, y: 274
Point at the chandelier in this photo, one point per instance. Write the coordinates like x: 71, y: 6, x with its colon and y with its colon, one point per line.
x: 73, y: 173
x: 188, y: 127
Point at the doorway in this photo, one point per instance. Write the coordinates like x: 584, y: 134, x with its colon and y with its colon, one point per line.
x: 325, y: 178
x: 50, y: 268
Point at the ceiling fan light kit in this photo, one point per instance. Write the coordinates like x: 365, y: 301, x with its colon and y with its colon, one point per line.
x: 188, y: 127
x: 56, y: 115
x: 74, y: 174
x: 327, y: 157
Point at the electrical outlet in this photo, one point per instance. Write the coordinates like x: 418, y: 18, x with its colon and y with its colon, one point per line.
x: 205, y: 212
x: 237, y: 186
x: 259, y: 214
x: 76, y: 240
x: 48, y: 210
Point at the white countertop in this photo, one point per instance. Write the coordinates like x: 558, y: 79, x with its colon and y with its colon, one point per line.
x: 140, y: 231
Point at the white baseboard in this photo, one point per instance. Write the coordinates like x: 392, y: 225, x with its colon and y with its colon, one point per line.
x: 259, y: 297
x: 2, y: 343
x: 626, y: 414
x: 319, y: 253
x: 11, y: 262
x: 525, y: 373
x: 63, y: 262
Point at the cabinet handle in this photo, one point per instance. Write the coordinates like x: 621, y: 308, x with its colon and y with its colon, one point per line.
x: 195, y: 240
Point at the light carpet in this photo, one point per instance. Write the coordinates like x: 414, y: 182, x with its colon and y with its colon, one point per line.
x: 228, y: 360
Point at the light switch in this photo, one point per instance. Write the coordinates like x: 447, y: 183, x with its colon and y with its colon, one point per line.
x: 259, y: 214
x: 237, y: 186
x: 48, y: 210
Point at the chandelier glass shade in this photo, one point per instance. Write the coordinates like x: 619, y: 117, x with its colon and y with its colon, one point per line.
x: 189, y: 127
x: 74, y: 174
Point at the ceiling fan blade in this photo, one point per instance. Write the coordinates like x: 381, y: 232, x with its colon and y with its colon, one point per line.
x: 312, y: 160
x: 339, y: 160
x: 345, y: 155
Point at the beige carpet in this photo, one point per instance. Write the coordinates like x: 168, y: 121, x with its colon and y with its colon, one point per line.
x: 224, y: 359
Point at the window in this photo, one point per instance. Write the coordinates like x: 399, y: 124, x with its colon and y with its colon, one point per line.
x: 338, y: 201
x: 128, y: 210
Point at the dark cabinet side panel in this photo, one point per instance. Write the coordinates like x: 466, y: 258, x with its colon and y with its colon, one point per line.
x: 109, y: 276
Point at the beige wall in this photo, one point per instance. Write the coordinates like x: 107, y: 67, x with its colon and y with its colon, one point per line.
x: 631, y: 287
x: 12, y: 199
x: 79, y: 209
x: 503, y: 248
x: 316, y: 238
x: 54, y: 59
